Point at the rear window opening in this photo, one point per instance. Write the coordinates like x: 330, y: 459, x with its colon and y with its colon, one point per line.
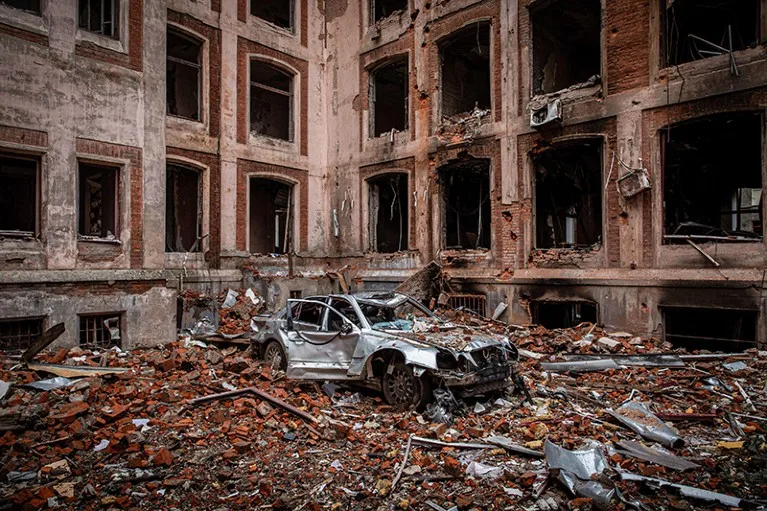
x: 465, y: 59
x: 101, y: 331
x: 563, y: 314
x: 19, y: 334
x: 697, y: 328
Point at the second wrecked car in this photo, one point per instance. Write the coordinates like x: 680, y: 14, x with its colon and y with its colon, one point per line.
x: 387, y: 341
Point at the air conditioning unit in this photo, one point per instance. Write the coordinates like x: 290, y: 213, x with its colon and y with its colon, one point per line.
x: 547, y: 114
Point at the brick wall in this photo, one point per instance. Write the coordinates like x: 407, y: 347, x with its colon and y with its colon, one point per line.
x: 27, y: 35
x: 627, y: 36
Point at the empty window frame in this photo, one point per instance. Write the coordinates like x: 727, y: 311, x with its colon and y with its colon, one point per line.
x: 698, y: 29
x: 18, y: 195
x: 18, y: 334
x: 276, y: 12
x: 32, y: 6
x: 271, y: 213
x: 465, y: 61
x: 568, y: 195
x: 183, y: 209
x: 101, y: 331
x: 713, y: 329
x: 466, y: 196
x: 98, y: 202
x: 563, y: 314
x: 566, y: 44
x: 183, y: 75
x: 271, y: 101
x: 389, y: 97
x: 99, y: 16
x: 381, y: 9
x: 712, y: 179
x: 388, y: 213
x: 471, y: 302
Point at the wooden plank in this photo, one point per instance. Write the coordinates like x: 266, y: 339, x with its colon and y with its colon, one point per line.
x: 43, y: 342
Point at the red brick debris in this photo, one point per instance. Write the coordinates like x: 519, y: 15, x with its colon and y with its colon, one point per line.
x: 135, y: 440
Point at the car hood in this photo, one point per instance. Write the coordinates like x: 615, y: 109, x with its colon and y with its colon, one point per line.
x: 452, y: 338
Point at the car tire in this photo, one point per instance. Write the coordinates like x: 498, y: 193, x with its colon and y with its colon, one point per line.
x: 274, y: 356
x: 404, y: 390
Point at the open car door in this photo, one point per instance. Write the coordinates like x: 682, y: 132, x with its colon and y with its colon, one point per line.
x: 324, y: 352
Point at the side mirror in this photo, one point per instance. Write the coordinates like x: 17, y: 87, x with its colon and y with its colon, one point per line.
x: 346, y: 328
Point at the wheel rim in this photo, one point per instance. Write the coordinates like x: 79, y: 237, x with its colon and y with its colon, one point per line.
x: 402, y: 386
x: 273, y: 356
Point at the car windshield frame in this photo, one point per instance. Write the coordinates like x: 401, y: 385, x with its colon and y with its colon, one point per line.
x: 396, y: 301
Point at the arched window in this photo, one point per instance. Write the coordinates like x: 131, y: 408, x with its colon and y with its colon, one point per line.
x: 271, y: 101
x: 184, y: 77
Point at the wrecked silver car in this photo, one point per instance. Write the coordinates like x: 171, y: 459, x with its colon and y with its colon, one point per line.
x: 387, y: 341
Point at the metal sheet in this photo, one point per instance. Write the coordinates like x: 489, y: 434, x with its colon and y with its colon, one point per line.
x: 583, y: 463
x: 643, y: 452
x: 650, y: 360
x: 687, y: 491
x: 579, y: 366
x: 638, y: 418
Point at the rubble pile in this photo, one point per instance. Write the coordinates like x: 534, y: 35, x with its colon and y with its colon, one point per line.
x: 622, y: 422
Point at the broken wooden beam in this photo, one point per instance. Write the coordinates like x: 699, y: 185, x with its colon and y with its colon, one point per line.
x: 261, y: 394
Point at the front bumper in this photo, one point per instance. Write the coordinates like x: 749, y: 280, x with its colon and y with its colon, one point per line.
x: 487, y: 379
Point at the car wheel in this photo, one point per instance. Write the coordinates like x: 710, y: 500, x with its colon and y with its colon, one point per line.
x: 402, y: 389
x: 274, y: 356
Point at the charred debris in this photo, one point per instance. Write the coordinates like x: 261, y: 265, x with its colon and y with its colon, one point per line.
x: 598, y: 420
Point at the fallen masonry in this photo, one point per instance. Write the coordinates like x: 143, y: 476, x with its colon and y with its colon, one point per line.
x: 198, y: 424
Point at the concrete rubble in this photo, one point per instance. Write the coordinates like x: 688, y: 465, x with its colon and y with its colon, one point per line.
x: 199, y: 424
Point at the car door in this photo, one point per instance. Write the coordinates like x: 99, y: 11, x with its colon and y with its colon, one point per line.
x: 324, y: 352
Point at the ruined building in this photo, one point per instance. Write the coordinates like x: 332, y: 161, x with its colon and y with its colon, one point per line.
x: 578, y: 161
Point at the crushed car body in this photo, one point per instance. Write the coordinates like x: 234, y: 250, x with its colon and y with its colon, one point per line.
x: 387, y: 341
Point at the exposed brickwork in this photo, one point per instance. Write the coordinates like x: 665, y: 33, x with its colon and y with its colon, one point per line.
x: 134, y: 155
x: 654, y: 120
x: 438, y: 30
x: 23, y: 136
x: 404, y: 165
x: 27, y: 35
x: 305, y: 23
x: 212, y: 162
x: 134, y: 59
x: 213, y: 35
x: 248, y: 168
x: 604, y: 129
x: 242, y: 10
x: 215, y: 5
x: 368, y: 61
x: 246, y: 50
x: 628, y: 60
x: 486, y: 149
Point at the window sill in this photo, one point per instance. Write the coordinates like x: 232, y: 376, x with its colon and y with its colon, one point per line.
x: 19, y: 235
x: 389, y: 138
x: 94, y: 239
x: 176, y: 122
x: 576, y: 91
x: 108, y: 43
x: 276, y: 143
x: 286, y: 31
x: 23, y: 20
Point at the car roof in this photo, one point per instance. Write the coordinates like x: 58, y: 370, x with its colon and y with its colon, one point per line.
x: 385, y: 298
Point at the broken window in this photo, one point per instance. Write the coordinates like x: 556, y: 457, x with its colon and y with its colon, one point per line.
x: 564, y: 314
x: 98, y: 203
x: 470, y: 302
x: 568, y: 195
x: 698, y: 29
x: 270, y: 216
x: 183, y: 82
x: 100, y: 331
x: 276, y: 12
x: 713, y: 179
x: 32, y: 6
x: 466, y: 193
x: 711, y: 329
x: 388, y: 213
x: 465, y: 59
x: 18, y: 334
x: 566, y: 44
x: 18, y: 196
x: 389, y: 97
x: 99, y: 16
x: 183, y: 209
x: 384, y: 8
x: 271, y: 101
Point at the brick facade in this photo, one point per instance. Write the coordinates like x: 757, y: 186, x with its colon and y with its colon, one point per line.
x: 27, y: 35
x: 134, y: 59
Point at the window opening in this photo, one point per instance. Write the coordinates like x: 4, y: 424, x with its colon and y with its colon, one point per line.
x: 384, y: 8
x: 566, y: 44
x: 470, y: 302
x: 271, y: 101
x: 466, y: 189
x: 465, y: 59
x: 568, y: 195
x: 712, y: 329
x: 99, y: 16
x: 389, y: 97
x: 184, y: 77
x: 388, y: 213
x: 563, y: 314
x: 32, y: 6
x: 270, y: 216
x: 98, y: 202
x: 183, y: 210
x: 18, y: 196
x: 276, y: 12
x: 19, y: 334
x: 698, y: 29
x: 100, y: 331
x: 712, y: 192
